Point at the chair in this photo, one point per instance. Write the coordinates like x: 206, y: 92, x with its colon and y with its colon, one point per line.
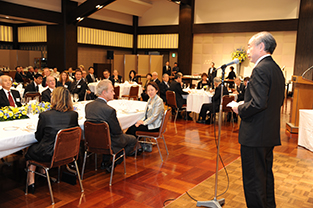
x: 155, y: 135
x: 133, y: 92
x: 66, y: 150
x: 98, y: 141
x: 117, y: 92
x: 171, y: 102
x: 32, y: 96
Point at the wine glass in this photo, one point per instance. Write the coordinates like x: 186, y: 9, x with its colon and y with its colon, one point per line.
x: 75, y: 97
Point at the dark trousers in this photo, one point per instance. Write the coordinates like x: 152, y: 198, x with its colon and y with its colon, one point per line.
x: 132, y: 130
x: 258, y: 178
x: 204, y: 109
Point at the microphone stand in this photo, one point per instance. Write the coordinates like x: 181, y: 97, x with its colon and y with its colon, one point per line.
x: 215, y: 203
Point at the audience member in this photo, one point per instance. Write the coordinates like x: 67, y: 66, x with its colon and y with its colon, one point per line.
x: 30, y: 74
x: 34, y: 85
x: 91, y: 77
x: 231, y: 75
x: 61, y: 116
x: 19, y: 74
x: 214, y: 106
x: 64, y: 81
x: 106, y: 74
x: 99, y: 111
x: 167, y: 68
x: 132, y: 76
x: 164, y: 86
x: 154, y: 111
x: 36, y: 71
x: 84, y: 75
x: 71, y: 74
x: 155, y: 78
x: 144, y: 94
x: 79, y: 86
x: 212, y: 74
x: 46, y: 94
x: 116, y: 78
x: 204, y: 81
x: 47, y: 73
x: 8, y: 96
x: 175, y: 69
x: 55, y: 73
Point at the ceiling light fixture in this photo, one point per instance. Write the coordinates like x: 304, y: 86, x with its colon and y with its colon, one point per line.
x: 79, y: 19
x: 99, y: 6
x: 175, y: 1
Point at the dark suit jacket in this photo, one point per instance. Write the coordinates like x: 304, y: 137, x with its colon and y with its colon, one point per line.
x: 99, y: 111
x: 49, y: 123
x: 241, y: 90
x: 72, y: 75
x: 119, y: 80
x: 1, y: 73
x: 176, y: 87
x: 30, y: 75
x: 216, y: 99
x: 46, y: 95
x: 135, y: 79
x: 30, y: 88
x: 260, y: 114
x: 212, y: 75
x: 19, y: 77
x: 163, y: 89
x: 79, y: 89
x: 231, y: 75
x: 176, y: 69
x: 200, y: 85
x: 89, y: 79
x: 66, y: 85
x: 167, y: 71
x: 157, y: 81
x: 4, y: 101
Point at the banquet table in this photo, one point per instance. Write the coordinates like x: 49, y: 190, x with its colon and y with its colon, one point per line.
x: 19, y: 134
x: 305, y: 138
x: 124, y: 88
x: 196, y: 98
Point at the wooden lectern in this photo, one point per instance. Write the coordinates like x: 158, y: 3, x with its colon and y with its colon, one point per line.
x: 302, y: 99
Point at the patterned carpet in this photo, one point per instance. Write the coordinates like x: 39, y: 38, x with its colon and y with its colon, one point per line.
x: 293, y: 185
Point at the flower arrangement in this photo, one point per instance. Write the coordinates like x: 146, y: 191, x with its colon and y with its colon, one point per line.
x: 9, y: 113
x: 239, y: 53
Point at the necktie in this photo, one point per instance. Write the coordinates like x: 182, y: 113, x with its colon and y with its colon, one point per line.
x: 37, y: 88
x: 11, y: 101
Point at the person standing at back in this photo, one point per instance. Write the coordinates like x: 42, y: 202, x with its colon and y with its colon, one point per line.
x: 259, y: 130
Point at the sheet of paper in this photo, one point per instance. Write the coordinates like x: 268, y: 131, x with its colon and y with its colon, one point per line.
x: 234, y: 103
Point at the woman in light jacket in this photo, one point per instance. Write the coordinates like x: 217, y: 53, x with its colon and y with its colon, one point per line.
x: 153, y: 112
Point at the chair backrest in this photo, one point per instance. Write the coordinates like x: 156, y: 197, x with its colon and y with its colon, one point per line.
x: 66, y: 146
x: 133, y: 92
x: 171, y: 99
x: 227, y: 99
x: 165, y: 119
x: 117, y: 92
x: 32, y: 96
x: 97, y: 137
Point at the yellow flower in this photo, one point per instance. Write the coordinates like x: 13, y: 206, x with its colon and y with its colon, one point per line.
x: 24, y: 112
x: 1, y: 114
x: 10, y: 113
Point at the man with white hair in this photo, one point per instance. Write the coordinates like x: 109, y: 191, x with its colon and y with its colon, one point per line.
x: 8, y: 96
x: 99, y: 111
x: 46, y: 94
x: 155, y: 78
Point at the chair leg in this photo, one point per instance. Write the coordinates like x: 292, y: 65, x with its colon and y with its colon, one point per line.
x: 156, y: 141
x: 165, y: 144
x: 136, y: 149
x: 59, y: 173
x: 112, y: 169
x: 78, y: 176
x: 84, y: 163
x: 96, y: 160
x: 176, y: 115
x: 125, y: 160
x: 49, y: 184
x: 26, y: 188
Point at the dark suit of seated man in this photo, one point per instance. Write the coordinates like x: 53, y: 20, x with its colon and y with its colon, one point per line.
x: 99, y: 111
x: 46, y: 94
x: 33, y: 86
x: 9, y: 97
x: 79, y: 86
x: 164, y: 86
x: 216, y: 100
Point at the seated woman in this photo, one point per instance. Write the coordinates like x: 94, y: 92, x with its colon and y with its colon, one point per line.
x: 144, y: 94
x: 203, y: 82
x: 64, y: 81
x: 132, y: 76
x: 61, y: 116
x: 153, y: 112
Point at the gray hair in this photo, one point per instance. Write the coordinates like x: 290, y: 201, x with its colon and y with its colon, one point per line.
x: 103, y: 85
x: 165, y: 74
x: 268, y: 40
x: 217, y: 80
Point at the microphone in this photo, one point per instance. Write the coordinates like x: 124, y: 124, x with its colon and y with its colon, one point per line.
x: 235, y: 61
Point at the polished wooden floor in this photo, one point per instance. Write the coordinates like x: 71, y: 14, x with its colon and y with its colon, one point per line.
x: 148, y: 182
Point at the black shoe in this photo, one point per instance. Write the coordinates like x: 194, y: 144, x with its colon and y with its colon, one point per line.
x: 189, y: 118
x: 31, y: 188
x: 208, y: 121
x: 132, y: 154
x: 104, y: 165
x: 236, y: 120
x: 108, y: 169
x: 201, y: 121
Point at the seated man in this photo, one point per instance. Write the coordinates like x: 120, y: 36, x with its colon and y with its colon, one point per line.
x: 116, y: 78
x: 98, y: 111
x: 155, y: 78
x: 91, y: 77
x: 46, y: 94
x: 19, y: 75
x: 214, y: 106
x: 79, y: 86
x: 164, y: 86
x: 8, y: 96
x: 33, y: 86
x: 30, y: 74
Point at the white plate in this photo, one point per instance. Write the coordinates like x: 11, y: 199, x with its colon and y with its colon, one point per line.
x: 31, y: 127
x: 130, y: 111
x: 10, y: 128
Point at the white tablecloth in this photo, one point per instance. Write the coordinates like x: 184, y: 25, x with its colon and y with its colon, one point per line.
x: 19, y: 134
x: 305, y: 138
x: 124, y: 88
